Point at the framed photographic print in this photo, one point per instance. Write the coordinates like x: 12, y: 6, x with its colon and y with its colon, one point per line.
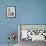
x: 11, y: 11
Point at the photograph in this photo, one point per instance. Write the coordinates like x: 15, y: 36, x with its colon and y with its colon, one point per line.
x: 11, y: 11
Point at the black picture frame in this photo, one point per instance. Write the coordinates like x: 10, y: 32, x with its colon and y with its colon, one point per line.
x: 14, y: 10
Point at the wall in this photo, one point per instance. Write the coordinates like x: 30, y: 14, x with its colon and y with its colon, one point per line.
x: 31, y: 11
x: 7, y: 25
x: 27, y: 12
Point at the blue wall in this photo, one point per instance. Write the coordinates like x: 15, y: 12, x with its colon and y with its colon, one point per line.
x: 27, y: 12
x: 7, y: 25
x: 31, y: 11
